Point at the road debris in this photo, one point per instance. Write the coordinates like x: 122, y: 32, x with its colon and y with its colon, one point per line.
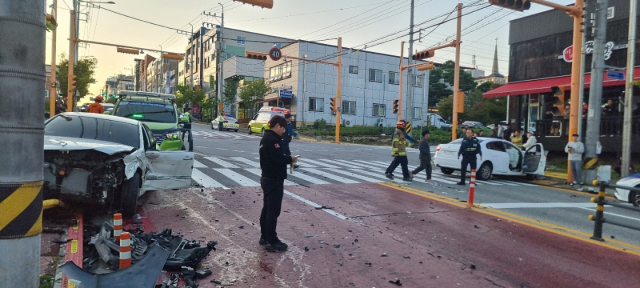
x: 397, y: 282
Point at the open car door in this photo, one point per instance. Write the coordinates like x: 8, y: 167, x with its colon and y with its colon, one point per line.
x: 168, y: 170
x: 534, y: 160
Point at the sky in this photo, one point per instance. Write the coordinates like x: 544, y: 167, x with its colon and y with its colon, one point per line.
x: 358, y: 22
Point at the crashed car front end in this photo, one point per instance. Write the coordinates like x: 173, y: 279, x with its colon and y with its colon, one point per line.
x: 85, y: 171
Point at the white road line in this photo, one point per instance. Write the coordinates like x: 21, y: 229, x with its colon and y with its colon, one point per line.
x: 204, y: 180
x: 352, y: 164
x: 316, y: 205
x: 259, y: 173
x: 371, y: 164
x: 540, y: 205
x: 247, y: 161
x: 197, y: 164
x: 354, y: 175
x: 369, y: 174
x: 505, y: 182
x: 238, y: 178
x: 307, y: 178
x: 593, y: 209
x: 221, y: 162
x: 489, y: 182
x: 330, y: 176
x: 305, y: 160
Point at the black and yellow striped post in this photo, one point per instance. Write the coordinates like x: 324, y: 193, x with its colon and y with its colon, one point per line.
x: 407, y: 127
x: 20, y: 210
x: 599, y: 218
x: 590, y: 163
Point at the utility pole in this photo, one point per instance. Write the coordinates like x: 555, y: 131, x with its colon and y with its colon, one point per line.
x: 221, y: 58
x: 574, y: 108
x: 597, y: 70
x: 628, y: 95
x: 409, y: 72
x: 71, y: 87
x: 456, y: 78
x: 583, y: 59
x: 53, y: 84
x: 21, y: 178
x: 304, y: 87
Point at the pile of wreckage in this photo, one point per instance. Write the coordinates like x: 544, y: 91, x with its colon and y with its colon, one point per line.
x: 158, y: 260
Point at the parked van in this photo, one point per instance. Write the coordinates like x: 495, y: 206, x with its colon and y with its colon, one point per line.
x: 435, y: 120
x: 260, y: 122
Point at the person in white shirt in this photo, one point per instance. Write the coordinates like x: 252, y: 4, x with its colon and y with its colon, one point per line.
x: 531, y: 140
x: 575, y: 149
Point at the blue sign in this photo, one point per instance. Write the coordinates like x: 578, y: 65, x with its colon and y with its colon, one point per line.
x: 286, y: 94
x: 615, y: 75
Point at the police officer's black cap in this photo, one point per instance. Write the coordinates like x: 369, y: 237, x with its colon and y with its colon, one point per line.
x: 576, y: 135
x: 425, y: 132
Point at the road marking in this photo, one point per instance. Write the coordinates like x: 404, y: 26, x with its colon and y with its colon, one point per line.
x: 375, y: 175
x: 316, y: 205
x: 197, y: 164
x: 221, y: 162
x: 247, y: 161
x: 259, y: 173
x: 504, y: 182
x: 238, y: 178
x: 539, y: 205
x: 204, y: 180
x: 357, y: 176
x: 330, y: 176
x: 593, y: 209
x: 436, y: 178
x: 308, y: 178
x: 305, y: 160
x: 351, y: 164
x: 489, y: 182
x: 372, y: 163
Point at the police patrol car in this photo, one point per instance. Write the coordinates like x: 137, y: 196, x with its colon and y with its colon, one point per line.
x: 260, y: 122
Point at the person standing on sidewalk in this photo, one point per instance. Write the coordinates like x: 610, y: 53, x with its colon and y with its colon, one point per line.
x: 468, y: 149
x: 399, y: 152
x: 425, y: 156
x: 273, y: 163
x: 287, y: 136
x: 575, y: 148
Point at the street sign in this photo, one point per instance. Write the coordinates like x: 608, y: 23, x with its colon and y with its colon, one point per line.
x: 615, y: 75
x: 275, y: 54
x: 286, y: 94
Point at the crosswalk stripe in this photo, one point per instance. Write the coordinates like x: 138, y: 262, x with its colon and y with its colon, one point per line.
x: 374, y: 175
x: 221, y: 162
x: 259, y: 173
x: 307, y: 178
x: 238, y: 178
x: 354, y: 175
x: 330, y: 176
x: 340, y: 164
x: 371, y: 163
x: 504, y: 182
x: 305, y: 160
x: 204, y: 180
x: 352, y: 164
x: 247, y: 161
x: 197, y: 164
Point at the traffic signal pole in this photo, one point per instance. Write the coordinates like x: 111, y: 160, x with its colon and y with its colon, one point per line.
x: 456, y: 78
x: 576, y: 68
x: 22, y: 77
x: 421, y: 67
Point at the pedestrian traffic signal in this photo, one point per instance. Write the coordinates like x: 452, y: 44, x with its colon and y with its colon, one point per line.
x: 518, y: 5
x: 424, y: 54
x: 396, y: 104
x: 262, y: 3
x: 334, y: 106
x: 426, y: 67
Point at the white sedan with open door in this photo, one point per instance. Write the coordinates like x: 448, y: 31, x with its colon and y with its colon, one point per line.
x: 107, y: 160
x: 499, y: 157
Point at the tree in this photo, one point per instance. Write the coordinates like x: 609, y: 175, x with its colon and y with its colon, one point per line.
x: 230, y: 90
x: 186, y: 95
x: 477, y: 108
x: 84, y: 71
x: 253, y: 92
x: 441, y: 82
x: 445, y: 107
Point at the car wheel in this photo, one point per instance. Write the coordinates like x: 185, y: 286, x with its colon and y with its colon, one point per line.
x: 235, y: 130
x: 249, y: 130
x: 129, y: 196
x: 447, y: 171
x: 634, y: 198
x: 262, y: 132
x: 484, y: 173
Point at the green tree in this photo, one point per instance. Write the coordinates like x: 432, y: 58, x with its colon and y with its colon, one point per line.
x: 186, y: 95
x: 441, y: 82
x: 84, y: 71
x: 476, y: 107
x: 230, y: 91
x: 253, y: 92
x: 445, y: 107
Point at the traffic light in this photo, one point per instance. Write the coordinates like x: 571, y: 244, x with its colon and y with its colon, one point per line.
x: 558, y: 99
x: 128, y: 50
x: 255, y: 55
x: 518, y: 5
x: 460, y: 101
x: 424, y: 54
x: 72, y: 83
x: 396, y: 104
x: 334, y: 104
x: 262, y: 3
x: 426, y: 67
x: 173, y: 56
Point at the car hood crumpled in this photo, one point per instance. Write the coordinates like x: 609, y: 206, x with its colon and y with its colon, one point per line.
x: 71, y: 144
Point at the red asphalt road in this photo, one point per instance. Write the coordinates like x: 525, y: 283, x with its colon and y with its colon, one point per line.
x: 421, y: 242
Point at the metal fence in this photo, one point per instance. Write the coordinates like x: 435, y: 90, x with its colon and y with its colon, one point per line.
x: 599, y: 218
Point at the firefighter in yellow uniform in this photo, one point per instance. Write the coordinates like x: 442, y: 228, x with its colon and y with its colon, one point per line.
x: 399, y: 152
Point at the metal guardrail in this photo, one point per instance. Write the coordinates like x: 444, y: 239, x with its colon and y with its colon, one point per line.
x: 600, y: 200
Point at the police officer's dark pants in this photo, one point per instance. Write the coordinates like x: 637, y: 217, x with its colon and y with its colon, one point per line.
x: 273, y: 190
x: 186, y: 128
x: 220, y: 126
x: 466, y: 161
x: 402, y: 161
x: 424, y: 165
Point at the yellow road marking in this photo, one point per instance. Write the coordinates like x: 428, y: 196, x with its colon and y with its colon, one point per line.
x: 522, y: 220
x: 18, y: 201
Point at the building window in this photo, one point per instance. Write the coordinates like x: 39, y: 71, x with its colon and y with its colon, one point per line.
x: 280, y: 72
x: 349, y: 107
x: 375, y: 75
x: 417, y: 113
x: 316, y: 104
x: 417, y: 80
x: 353, y: 69
x: 394, y: 78
x: 379, y: 109
x: 242, y: 40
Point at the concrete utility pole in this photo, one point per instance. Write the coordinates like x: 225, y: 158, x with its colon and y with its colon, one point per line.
x: 22, y: 77
x: 595, y: 99
x: 583, y: 59
x: 628, y: 95
x: 71, y: 87
x: 410, y: 70
x: 456, y: 79
x: 53, y: 88
x: 221, y: 59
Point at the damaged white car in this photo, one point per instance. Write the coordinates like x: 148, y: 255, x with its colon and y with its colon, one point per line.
x: 108, y: 160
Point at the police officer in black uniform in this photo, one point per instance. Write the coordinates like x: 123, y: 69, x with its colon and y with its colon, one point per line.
x: 273, y: 163
x: 469, y: 148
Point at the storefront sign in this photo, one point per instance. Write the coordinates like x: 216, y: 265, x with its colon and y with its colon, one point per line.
x: 286, y: 94
x: 567, y: 53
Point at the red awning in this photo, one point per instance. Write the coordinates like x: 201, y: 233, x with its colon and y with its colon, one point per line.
x: 544, y: 85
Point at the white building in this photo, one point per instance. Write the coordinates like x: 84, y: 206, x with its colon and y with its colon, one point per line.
x: 370, y: 83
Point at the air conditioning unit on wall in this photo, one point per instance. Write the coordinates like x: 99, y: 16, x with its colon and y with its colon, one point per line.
x: 380, y: 122
x: 347, y: 123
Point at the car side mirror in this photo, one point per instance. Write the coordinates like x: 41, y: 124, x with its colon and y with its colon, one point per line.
x: 152, y: 154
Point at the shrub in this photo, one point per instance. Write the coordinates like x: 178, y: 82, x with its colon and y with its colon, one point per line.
x: 320, y: 124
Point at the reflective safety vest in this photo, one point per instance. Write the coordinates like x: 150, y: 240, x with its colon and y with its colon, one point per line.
x: 220, y: 119
x: 185, y: 117
x: 399, y: 144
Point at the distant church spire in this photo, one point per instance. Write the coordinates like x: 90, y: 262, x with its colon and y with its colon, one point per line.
x: 494, y: 69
